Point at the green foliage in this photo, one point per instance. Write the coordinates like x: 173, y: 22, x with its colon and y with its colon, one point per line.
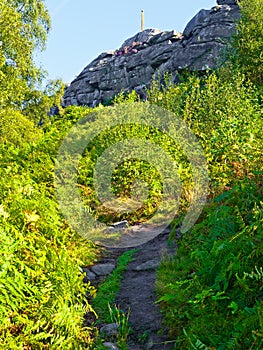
x: 212, y: 291
x: 122, y: 320
x: 42, y: 298
x: 15, y: 128
x: 37, y: 103
x: 124, y: 175
x: 108, y: 290
x: 23, y: 28
x: 225, y: 115
x: 248, y: 41
x: 126, y: 97
x: 42, y: 295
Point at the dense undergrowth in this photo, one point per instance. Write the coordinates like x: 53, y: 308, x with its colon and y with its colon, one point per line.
x: 42, y: 294
x: 211, y: 291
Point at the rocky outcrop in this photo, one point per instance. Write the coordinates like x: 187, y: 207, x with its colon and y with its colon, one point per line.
x: 153, y: 52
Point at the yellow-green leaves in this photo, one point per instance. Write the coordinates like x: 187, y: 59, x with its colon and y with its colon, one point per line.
x: 23, y: 28
x: 249, y: 40
x: 16, y: 128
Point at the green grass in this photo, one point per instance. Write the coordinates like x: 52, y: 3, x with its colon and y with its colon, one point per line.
x: 104, y: 306
x: 108, y: 290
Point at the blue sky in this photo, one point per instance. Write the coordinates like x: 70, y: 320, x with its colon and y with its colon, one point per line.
x: 82, y: 29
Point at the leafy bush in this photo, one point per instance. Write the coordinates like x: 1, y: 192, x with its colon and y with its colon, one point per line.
x: 248, y: 41
x: 42, y: 294
x: 212, y: 290
x: 16, y: 128
x: 23, y: 26
x: 226, y: 117
x: 42, y: 297
x: 125, y: 174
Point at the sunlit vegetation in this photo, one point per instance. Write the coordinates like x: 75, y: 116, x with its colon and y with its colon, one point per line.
x: 211, y: 291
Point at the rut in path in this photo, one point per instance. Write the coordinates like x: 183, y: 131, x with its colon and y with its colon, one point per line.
x: 137, y: 294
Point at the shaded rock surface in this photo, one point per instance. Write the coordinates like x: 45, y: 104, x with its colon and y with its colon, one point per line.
x: 153, y: 52
x: 110, y: 329
x: 102, y: 269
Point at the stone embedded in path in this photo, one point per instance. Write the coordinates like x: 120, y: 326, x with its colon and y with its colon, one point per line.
x: 148, y: 265
x: 110, y: 329
x: 117, y: 226
x: 102, y: 269
x: 120, y: 224
x: 90, y: 276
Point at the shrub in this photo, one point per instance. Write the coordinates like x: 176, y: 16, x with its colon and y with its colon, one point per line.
x: 211, y: 291
x: 248, y: 41
x: 43, y: 299
x: 16, y: 128
x: 226, y: 117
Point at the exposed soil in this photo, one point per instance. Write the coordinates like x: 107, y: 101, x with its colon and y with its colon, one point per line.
x: 137, y: 294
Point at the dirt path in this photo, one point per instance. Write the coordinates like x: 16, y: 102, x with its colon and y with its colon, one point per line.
x: 137, y: 293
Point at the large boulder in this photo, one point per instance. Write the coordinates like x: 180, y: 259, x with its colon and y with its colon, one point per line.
x: 153, y: 52
x: 226, y: 2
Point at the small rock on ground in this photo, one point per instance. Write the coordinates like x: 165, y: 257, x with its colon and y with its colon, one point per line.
x: 148, y: 265
x: 120, y: 224
x: 102, y: 269
x: 90, y: 276
x: 110, y: 329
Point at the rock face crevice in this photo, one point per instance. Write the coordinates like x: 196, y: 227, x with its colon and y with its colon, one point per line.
x: 153, y: 52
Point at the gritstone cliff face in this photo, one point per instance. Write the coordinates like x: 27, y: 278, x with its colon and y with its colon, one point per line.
x: 153, y: 52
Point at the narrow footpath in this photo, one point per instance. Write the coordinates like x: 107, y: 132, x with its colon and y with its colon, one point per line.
x: 137, y: 293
